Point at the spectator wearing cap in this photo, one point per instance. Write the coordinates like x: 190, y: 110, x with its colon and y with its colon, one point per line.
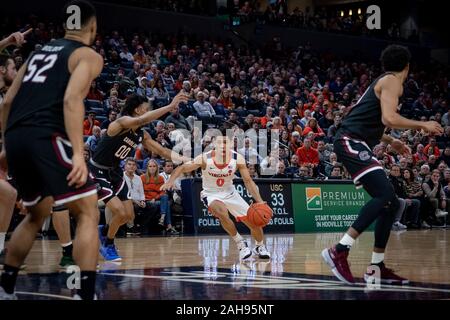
x: 202, y: 107
x: 307, y: 155
x: 89, y: 123
x: 145, y: 90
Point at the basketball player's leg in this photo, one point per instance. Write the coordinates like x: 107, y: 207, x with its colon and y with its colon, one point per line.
x: 85, y: 212
x: 61, y: 223
x: 381, y: 207
x: 8, y: 196
x: 86, y: 244
x: 22, y: 241
x: 219, y: 210
x: 120, y: 215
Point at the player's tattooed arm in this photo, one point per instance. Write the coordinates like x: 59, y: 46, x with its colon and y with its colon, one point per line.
x: 190, y: 166
x: 248, y: 181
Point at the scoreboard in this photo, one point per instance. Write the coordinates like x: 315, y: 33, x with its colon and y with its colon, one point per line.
x: 276, y: 193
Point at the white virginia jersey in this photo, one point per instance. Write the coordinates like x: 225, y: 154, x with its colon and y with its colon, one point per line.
x: 219, y: 178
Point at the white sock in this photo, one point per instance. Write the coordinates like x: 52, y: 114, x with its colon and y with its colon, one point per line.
x: 377, y: 257
x: 259, y: 243
x: 347, y: 240
x: 2, y: 240
x: 66, y: 244
x: 237, y: 238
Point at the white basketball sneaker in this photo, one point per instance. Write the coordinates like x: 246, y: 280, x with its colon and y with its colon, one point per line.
x: 244, y: 250
x: 261, y: 252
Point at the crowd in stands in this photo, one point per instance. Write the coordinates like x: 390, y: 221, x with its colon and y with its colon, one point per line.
x: 328, y: 19
x: 301, y: 92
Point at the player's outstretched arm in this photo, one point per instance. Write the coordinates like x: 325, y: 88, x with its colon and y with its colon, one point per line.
x: 133, y: 122
x: 85, y: 65
x: 16, y: 39
x: 391, y: 90
x: 248, y: 181
x: 190, y: 166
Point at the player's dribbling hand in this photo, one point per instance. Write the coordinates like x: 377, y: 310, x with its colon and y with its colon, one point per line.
x: 433, y: 127
x: 78, y: 176
x: 18, y: 38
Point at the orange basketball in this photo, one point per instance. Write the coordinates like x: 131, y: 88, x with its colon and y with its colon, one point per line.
x: 259, y: 214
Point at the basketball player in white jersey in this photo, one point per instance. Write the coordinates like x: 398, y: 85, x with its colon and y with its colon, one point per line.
x: 220, y: 196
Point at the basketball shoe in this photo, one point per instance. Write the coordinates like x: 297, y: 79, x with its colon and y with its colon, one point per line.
x: 244, y: 250
x: 261, y: 252
x: 338, y: 264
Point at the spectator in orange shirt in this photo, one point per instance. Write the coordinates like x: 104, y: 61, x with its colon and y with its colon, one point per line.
x: 89, y: 123
x: 267, y: 117
x: 152, y: 183
x: 140, y: 56
x: 312, y: 126
x: 307, y: 155
x: 433, y: 146
x: 225, y: 99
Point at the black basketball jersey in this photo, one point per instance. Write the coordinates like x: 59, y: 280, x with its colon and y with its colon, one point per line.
x: 111, y: 150
x: 39, y: 101
x: 363, y: 121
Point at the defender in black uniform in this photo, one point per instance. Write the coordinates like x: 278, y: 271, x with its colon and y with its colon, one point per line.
x: 123, y: 136
x: 360, y: 131
x: 43, y: 140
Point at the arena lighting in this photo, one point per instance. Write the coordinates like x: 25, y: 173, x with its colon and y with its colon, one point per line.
x: 359, y: 10
x: 342, y: 13
x: 350, y: 12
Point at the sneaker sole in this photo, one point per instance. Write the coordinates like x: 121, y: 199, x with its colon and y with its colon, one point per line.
x: 384, y: 281
x: 329, y: 261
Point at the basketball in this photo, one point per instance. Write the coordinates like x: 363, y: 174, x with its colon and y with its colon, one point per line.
x: 259, y: 214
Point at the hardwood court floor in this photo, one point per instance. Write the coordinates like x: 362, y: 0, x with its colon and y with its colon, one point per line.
x: 207, y: 267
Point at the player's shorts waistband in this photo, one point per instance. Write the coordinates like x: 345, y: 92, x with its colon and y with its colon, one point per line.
x: 95, y: 164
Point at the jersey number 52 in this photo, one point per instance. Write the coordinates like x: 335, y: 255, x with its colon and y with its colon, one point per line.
x: 44, y: 62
